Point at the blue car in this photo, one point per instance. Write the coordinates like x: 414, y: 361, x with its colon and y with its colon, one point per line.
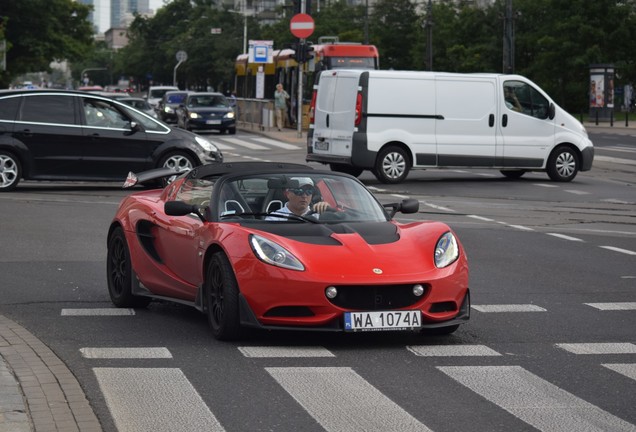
x: 206, y: 111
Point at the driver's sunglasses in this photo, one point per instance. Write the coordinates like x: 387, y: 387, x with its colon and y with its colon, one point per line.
x: 303, y: 191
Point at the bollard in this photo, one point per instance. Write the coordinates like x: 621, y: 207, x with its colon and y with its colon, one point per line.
x: 612, y: 118
x: 627, y: 119
x: 596, y: 117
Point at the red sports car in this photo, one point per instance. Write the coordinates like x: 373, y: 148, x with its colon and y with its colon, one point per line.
x: 283, y: 246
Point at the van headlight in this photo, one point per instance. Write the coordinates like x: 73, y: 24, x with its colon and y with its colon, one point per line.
x: 446, y: 250
x: 205, y: 144
x: 274, y: 254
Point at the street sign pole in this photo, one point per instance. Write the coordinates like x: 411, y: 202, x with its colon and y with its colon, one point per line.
x: 301, y: 26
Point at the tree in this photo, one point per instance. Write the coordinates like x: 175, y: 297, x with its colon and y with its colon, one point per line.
x: 36, y: 38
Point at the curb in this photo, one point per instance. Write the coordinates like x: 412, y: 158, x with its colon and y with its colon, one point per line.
x: 37, y: 391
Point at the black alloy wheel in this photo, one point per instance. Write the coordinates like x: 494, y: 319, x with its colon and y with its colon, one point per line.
x: 119, y: 273
x: 222, y: 302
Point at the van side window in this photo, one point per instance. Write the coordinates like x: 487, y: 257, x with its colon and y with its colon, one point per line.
x: 48, y: 109
x: 531, y: 102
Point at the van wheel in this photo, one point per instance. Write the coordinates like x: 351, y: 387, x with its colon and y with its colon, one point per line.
x: 10, y: 171
x: 513, y: 174
x: 392, y: 165
x: 347, y: 169
x: 563, y: 164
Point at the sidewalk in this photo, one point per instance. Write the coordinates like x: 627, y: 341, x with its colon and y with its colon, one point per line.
x: 37, y: 391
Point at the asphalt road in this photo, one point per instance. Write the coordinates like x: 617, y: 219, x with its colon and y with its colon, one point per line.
x: 551, y: 344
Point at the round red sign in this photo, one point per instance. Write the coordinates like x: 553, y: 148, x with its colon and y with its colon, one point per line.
x: 301, y: 25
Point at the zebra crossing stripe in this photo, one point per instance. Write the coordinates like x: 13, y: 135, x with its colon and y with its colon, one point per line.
x: 126, y: 353
x: 598, y: 348
x: 154, y: 400
x: 277, y: 143
x: 451, y: 350
x: 98, y: 312
x: 508, y: 308
x: 613, y: 306
x: 341, y: 400
x: 246, y: 144
x: 627, y: 369
x: 272, y: 352
x: 534, y: 400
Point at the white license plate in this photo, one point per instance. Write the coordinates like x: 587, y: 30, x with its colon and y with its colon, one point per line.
x: 321, y: 145
x: 382, y: 320
x: 213, y: 122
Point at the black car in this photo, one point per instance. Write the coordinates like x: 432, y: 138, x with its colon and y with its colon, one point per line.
x: 72, y: 135
x: 206, y: 111
x: 167, y: 106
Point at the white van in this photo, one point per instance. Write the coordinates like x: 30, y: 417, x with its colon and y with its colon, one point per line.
x: 155, y: 93
x: 392, y: 121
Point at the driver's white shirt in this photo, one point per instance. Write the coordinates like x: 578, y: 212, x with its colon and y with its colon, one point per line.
x: 286, y: 210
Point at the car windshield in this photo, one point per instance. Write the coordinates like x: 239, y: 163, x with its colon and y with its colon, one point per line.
x: 263, y: 197
x: 175, y: 98
x: 208, y: 101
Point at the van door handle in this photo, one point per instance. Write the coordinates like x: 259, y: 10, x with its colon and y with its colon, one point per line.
x: 491, y: 120
x: 327, y: 120
x: 504, y: 120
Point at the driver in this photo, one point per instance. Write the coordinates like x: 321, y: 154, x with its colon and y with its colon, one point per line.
x: 299, y: 200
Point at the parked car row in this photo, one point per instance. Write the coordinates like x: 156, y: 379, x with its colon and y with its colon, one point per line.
x: 72, y: 135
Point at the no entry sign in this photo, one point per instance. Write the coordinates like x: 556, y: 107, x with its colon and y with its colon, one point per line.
x: 301, y: 25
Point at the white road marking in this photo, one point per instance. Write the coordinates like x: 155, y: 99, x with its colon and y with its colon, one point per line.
x: 451, y: 350
x: 576, y: 192
x: 620, y: 149
x: 615, y: 249
x: 154, y: 400
x: 437, y: 207
x: 340, y: 400
x: 627, y: 369
x: 245, y: 144
x: 480, y: 218
x: 534, y: 400
x: 275, y: 143
x: 545, y: 185
x: 615, y: 160
x: 599, y: 348
x: 98, y: 312
x: 126, y: 353
x: 613, y: 306
x: 496, y: 308
x: 217, y: 142
x: 273, y: 351
x: 520, y: 227
x: 565, y: 237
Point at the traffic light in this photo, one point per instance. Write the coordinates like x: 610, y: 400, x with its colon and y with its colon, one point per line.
x: 308, y: 53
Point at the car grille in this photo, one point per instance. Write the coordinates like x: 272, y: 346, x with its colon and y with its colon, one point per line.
x: 380, y: 297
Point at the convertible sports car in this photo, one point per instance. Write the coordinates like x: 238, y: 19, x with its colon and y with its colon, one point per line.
x: 218, y: 238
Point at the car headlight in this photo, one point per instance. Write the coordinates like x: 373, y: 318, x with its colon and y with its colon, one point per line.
x: 207, y: 145
x: 446, y: 250
x: 194, y: 115
x: 168, y: 110
x: 274, y: 254
x: 229, y: 115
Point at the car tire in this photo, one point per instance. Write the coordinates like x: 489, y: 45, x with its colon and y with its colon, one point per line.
x: 119, y: 273
x: 10, y: 171
x: 392, y: 165
x: 513, y: 174
x: 221, y: 299
x: 347, y: 169
x: 563, y: 164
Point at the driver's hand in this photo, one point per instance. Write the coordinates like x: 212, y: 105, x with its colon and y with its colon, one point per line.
x: 321, y: 207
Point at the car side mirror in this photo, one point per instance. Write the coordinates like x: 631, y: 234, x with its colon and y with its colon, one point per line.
x: 407, y: 206
x: 180, y: 208
x: 551, y: 111
x: 134, y: 127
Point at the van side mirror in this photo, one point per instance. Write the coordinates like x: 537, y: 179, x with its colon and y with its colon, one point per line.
x: 551, y: 111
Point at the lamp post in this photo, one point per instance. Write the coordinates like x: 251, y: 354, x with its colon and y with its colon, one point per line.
x: 428, y: 26
x: 244, y: 12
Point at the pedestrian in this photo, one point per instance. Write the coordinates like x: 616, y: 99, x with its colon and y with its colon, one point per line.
x: 280, y: 105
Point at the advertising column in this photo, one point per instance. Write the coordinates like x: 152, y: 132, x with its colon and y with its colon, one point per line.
x: 601, y: 94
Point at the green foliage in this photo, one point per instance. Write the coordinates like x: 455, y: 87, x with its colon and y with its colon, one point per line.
x: 40, y: 31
